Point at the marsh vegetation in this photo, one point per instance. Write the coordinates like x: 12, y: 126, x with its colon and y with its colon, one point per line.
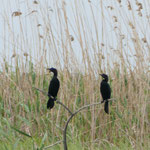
x: 81, y: 39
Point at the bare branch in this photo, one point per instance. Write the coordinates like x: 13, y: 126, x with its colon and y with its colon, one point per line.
x: 86, y: 106
x: 45, y: 93
x: 53, y: 144
x: 72, y: 115
x: 57, y: 101
x: 65, y: 130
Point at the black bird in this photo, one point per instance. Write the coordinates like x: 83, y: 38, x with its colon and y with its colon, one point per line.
x: 53, y: 89
x: 105, y: 91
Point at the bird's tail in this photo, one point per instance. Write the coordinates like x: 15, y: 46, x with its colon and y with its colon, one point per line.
x: 50, y: 103
x: 106, y: 108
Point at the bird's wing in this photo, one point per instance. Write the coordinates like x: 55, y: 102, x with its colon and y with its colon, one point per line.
x: 105, y: 90
x: 54, y: 87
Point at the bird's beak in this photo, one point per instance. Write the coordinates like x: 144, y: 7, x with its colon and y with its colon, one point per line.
x: 101, y: 75
x: 48, y: 69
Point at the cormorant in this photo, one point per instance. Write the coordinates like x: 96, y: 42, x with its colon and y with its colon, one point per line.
x: 53, y: 88
x: 105, y: 91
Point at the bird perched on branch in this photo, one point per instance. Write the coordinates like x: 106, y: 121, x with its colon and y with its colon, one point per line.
x: 53, y: 88
x: 105, y: 91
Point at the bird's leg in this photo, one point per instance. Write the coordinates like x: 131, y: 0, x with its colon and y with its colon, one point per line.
x: 49, y: 95
x: 102, y: 101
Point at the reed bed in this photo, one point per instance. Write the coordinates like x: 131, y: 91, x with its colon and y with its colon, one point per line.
x: 81, y: 39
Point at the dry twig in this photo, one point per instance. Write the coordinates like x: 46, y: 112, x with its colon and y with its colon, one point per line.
x: 72, y: 115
